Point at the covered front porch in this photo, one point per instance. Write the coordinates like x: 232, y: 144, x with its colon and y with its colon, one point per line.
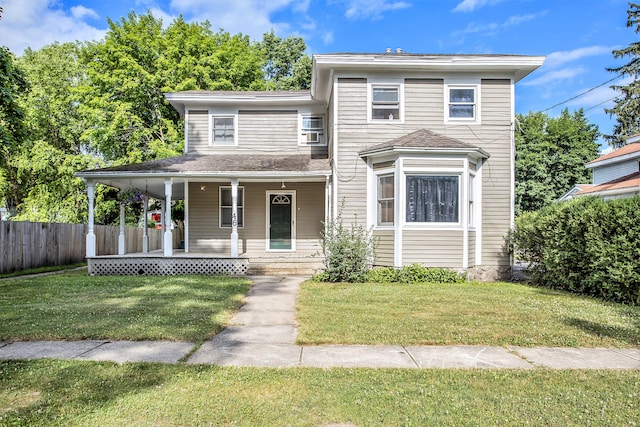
x: 267, y: 219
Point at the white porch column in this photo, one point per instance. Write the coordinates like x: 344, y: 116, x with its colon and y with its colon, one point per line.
x: 145, y: 235
x: 91, y: 236
x: 168, y: 236
x: 186, y: 217
x: 121, y: 237
x: 162, y: 205
x: 234, y: 217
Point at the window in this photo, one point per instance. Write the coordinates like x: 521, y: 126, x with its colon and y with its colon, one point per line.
x: 385, y: 199
x: 223, y: 131
x: 385, y: 103
x: 226, y: 219
x: 312, y: 130
x: 462, y: 103
x: 432, y: 198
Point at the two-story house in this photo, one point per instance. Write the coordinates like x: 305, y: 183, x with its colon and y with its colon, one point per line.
x: 616, y: 174
x: 418, y: 147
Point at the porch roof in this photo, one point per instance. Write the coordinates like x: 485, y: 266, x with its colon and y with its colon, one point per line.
x: 152, y: 174
x: 424, y: 140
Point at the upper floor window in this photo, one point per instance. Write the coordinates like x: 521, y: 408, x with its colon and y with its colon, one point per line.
x: 462, y: 103
x: 223, y: 129
x: 312, y: 131
x: 385, y: 102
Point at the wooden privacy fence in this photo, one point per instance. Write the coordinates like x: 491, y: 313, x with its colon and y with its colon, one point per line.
x: 27, y: 245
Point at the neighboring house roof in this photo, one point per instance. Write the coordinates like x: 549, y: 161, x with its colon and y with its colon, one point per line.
x: 575, y: 190
x: 615, y: 186
x: 424, y: 140
x: 621, y: 154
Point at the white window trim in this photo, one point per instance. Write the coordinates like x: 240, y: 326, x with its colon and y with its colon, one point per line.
x: 379, y: 174
x: 228, y: 187
x: 389, y: 83
x: 302, y: 140
x: 219, y: 114
x: 459, y: 225
x: 462, y: 84
x: 472, y: 200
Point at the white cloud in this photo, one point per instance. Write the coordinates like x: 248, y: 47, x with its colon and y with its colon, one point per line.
x: 471, y: 5
x: 327, y: 38
x: 555, y: 59
x: 35, y: 23
x: 519, y: 19
x: 249, y: 17
x: 372, y: 9
x: 556, y: 76
x: 601, y: 97
x: 80, y: 12
x: 493, y: 28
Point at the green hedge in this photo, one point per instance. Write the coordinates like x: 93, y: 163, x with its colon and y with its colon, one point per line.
x: 587, y: 246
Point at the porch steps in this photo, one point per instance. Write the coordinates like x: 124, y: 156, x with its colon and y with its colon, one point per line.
x: 281, y: 266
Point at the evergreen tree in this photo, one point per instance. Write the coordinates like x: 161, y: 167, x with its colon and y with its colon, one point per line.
x: 627, y: 106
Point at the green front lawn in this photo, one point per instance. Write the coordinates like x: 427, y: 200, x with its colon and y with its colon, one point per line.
x: 497, y: 314
x: 75, y: 306
x: 71, y: 393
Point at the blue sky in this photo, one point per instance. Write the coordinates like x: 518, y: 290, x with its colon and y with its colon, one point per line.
x: 576, y: 36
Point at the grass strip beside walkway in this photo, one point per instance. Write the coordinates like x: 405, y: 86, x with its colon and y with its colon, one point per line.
x: 69, y: 393
x: 74, y: 306
x: 494, y: 314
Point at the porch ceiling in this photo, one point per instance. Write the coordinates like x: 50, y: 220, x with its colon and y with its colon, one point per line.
x: 150, y: 176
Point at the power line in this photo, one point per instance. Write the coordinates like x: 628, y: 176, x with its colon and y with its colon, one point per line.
x: 583, y: 93
x: 603, y: 102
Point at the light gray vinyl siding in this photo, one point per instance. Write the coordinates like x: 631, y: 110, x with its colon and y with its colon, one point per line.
x: 496, y: 172
x: 355, y: 135
x: 384, y: 247
x: 433, y: 248
x: 472, y: 248
x: 433, y: 162
x: 258, y: 131
x: 206, y: 236
x: 604, y: 174
x: 424, y: 104
x: 197, y: 129
x: 267, y: 130
x: 424, y: 108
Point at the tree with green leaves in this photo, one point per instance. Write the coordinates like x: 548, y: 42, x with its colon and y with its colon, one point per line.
x: 13, y: 84
x: 627, y: 106
x: 551, y: 153
x: 47, y: 159
x: 137, y: 62
x: 287, y: 66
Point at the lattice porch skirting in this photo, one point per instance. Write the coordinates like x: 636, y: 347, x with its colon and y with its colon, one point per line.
x: 161, y: 266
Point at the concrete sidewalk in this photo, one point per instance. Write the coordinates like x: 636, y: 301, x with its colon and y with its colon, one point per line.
x: 262, y: 334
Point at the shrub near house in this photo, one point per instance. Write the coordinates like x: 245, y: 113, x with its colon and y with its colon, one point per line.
x: 586, y: 245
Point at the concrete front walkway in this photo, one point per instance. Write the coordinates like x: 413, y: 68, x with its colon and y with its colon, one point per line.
x: 262, y: 334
